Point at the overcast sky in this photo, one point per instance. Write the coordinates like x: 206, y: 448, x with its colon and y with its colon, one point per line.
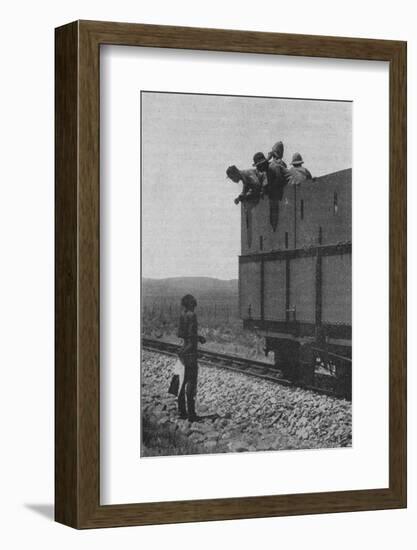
x: 190, y: 225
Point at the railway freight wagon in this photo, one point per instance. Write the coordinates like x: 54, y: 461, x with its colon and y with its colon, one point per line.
x: 295, y: 277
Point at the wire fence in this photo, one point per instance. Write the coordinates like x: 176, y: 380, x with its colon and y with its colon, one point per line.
x: 209, y: 313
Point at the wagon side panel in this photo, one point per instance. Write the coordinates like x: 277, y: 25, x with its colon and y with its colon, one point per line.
x: 324, y: 210
x: 275, y: 290
x: 250, y: 290
x: 283, y: 236
x: 337, y: 289
x: 303, y: 288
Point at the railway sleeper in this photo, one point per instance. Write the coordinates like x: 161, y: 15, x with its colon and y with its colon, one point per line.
x: 294, y: 365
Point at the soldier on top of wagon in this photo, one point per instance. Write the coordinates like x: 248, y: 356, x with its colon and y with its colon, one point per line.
x: 252, y: 184
x: 297, y: 171
x: 277, y: 177
x: 251, y: 192
x: 277, y: 152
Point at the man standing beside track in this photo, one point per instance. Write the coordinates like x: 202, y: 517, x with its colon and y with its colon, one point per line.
x: 188, y: 331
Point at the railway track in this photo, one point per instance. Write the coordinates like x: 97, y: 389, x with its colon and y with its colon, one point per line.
x: 250, y: 367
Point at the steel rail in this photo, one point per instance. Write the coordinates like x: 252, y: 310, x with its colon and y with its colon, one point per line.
x: 250, y: 367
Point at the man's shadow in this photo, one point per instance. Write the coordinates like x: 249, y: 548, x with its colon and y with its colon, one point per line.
x: 203, y: 417
x: 45, y: 510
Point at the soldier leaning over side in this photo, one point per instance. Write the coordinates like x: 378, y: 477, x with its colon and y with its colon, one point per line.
x: 268, y: 177
x: 250, y: 195
x: 188, y: 331
x: 252, y: 184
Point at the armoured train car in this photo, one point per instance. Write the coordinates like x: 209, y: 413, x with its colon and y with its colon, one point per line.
x: 295, y: 276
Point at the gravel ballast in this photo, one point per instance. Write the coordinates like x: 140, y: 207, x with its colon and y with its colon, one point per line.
x: 240, y: 413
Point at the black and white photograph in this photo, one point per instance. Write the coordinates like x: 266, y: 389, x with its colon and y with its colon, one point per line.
x: 246, y: 274
x: 208, y: 275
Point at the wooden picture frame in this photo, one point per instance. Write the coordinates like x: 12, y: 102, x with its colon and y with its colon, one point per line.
x: 77, y: 372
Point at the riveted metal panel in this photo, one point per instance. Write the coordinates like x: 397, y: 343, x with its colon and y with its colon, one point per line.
x: 250, y: 290
x: 303, y: 289
x: 274, y: 290
x: 256, y: 224
x: 324, y: 210
x: 337, y: 289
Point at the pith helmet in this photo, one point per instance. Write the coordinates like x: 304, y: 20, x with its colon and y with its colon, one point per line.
x: 258, y: 159
x: 297, y: 159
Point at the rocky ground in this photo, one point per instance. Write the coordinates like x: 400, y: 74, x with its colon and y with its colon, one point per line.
x: 240, y: 413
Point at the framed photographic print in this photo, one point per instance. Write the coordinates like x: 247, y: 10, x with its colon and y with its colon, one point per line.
x: 230, y: 274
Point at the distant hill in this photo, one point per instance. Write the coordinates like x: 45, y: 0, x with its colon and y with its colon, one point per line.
x: 203, y: 288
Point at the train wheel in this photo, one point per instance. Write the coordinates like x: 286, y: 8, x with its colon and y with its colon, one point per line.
x: 287, y: 359
x: 344, y: 380
x: 307, y: 365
